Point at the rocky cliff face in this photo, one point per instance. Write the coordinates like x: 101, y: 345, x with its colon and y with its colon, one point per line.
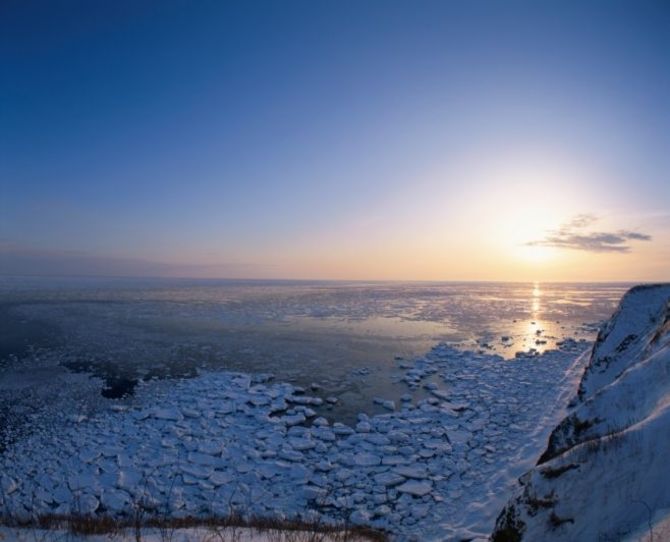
x: 605, y: 474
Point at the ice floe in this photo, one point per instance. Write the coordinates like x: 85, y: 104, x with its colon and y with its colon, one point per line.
x: 226, y: 442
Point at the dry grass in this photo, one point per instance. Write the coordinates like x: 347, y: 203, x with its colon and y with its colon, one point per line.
x: 218, y: 528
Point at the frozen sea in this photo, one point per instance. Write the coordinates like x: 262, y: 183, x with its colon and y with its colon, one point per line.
x: 345, y: 339
x: 378, y: 403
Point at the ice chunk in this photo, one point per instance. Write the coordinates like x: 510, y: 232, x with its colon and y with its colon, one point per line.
x: 366, y: 459
x: 416, y: 488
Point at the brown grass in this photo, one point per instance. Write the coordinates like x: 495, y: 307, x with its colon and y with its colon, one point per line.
x: 101, y: 524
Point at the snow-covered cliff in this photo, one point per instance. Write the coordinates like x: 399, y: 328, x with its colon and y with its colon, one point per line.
x: 605, y: 474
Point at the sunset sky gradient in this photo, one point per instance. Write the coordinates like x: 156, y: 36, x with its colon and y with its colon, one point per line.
x: 450, y: 140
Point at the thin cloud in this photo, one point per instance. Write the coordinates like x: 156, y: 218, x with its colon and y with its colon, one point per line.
x: 580, y: 221
x: 575, y: 235
x: 17, y: 259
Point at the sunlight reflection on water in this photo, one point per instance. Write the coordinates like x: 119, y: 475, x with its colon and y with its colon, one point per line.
x: 317, y: 332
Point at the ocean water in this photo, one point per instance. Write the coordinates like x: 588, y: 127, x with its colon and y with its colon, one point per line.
x: 339, y: 339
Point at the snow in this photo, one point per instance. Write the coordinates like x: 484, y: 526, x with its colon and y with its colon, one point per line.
x: 226, y: 442
x: 605, y: 472
x: 625, y: 337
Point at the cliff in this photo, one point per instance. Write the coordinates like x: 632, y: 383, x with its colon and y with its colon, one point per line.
x: 605, y: 474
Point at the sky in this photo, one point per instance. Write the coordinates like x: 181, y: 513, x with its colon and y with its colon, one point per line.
x: 417, y: 140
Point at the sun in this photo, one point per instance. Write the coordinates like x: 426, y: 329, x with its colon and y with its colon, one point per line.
x: 523, y: 225
x: 535, y: 254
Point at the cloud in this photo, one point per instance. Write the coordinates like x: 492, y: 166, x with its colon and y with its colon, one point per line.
x: 575, y: 235
x: 580, y: 221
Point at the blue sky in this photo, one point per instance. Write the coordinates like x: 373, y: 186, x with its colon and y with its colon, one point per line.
x: 339, y: 139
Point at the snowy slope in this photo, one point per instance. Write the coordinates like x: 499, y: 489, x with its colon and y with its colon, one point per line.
x: 606, y: 472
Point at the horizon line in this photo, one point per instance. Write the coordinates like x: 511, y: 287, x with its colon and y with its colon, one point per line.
x: 340, y: 280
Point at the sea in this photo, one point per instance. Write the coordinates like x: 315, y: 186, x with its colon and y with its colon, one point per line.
x: 339, y: 340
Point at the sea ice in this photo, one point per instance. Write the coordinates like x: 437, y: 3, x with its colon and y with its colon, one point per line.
x: 394, y: 470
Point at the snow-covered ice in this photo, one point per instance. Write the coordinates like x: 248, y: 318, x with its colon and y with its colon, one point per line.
x: 230, y: 442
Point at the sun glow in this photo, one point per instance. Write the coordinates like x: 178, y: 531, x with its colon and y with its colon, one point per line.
x: 523, y: 224
x: 526, y: 196
x: 535, y: 254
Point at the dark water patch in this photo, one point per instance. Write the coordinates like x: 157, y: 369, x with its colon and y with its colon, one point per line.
x: 115, y: 385
x: 120, y: 382
x: 117, y: 388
